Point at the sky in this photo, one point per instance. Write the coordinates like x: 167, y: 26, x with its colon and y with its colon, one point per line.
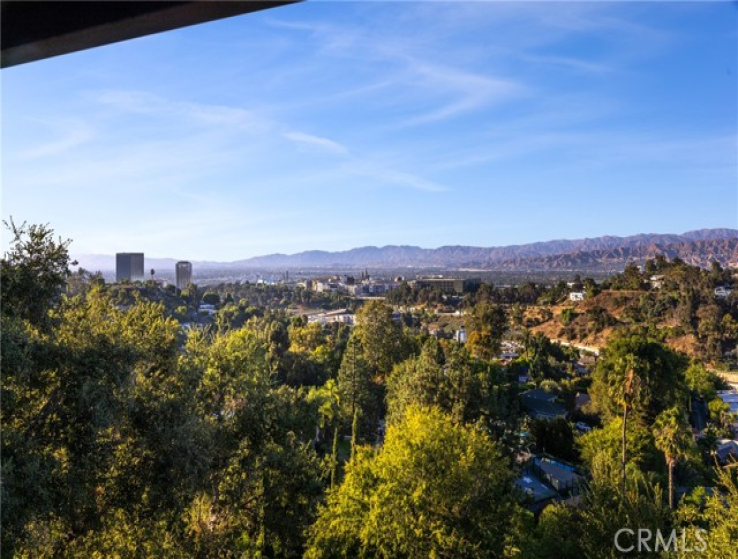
x: 333, y: 125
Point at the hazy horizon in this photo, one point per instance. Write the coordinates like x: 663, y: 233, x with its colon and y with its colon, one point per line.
x: 330, y: 126
x: 151, y: 258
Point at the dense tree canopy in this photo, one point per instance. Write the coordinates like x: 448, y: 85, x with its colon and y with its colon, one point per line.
x: 134, y: 427
x: 656, y: 373
x: 434, y: 489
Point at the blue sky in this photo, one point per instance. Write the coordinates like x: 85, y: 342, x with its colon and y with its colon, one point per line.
x: 331, y: 125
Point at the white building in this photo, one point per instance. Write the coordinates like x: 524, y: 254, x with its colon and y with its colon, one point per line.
x: 460, y: 335
x: 369, y: 288
x: 327, y: 287
x: 657, y: 282
x: 723, y: 291
x: 342, y: 315
x: 576, y: 296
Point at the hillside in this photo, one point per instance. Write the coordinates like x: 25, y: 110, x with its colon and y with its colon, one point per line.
x: 696, y: 253
x: 597, y: 318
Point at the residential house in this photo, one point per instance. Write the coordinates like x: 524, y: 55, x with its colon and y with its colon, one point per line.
x: 545, y: 480
x: 538, y: 494
x: 561, y: 476
x: 206, y: 309
x: 542, y: 405
x: 727, y: 451
x: 657, y: 282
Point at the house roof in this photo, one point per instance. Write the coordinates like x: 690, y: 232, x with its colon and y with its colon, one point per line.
x: 582, y: 400
x: 562, y: 475
x: 535, y: 488
x: 727, y: 449
x: 543, y: 408
x: 538, y: 394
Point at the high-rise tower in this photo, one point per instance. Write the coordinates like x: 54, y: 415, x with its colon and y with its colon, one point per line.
x: 183, y: 272
x: 129, y: 266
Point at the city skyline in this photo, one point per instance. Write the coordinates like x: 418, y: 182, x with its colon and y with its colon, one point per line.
x: 339, y: 125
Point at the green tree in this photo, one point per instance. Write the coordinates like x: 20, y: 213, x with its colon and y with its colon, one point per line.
x: 420, y: 381
x: 701, y: 382
x: 264, y: 478
x: 543, y: 356
x: 382, y: 339
x: 673, y: 437
x: 517, y: 314
x: 630, y: 279
x: 636, y: 375
x: 567, y: 316
x: 556, y: 536
x: 554, y: 437
x: 357, y: 390
x: 604, y: 511
x: 717, y: 515
x: 434, y: 489
x: 590, y: 287
x: 211, y: 298
x: 33, y: 273
x: 485, y: 323
x: 306, y: 337
x: 98, y: 411
x: 719, y: 412
x: 601, y: 452
x: 328, y: 400
x: 461, y: 386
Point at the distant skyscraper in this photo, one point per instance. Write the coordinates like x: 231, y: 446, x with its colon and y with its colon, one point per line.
x: 184, y: 274
x: 130, y: 266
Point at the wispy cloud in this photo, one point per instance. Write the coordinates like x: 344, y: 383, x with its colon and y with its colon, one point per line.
x: 360, y: 163
x: 577, y: 64
x: 142, y: 102
x: 381, y: 173
x: 409, y: 72
x: 316, y: 142
x: 469, y: 91
x: 73, y: 134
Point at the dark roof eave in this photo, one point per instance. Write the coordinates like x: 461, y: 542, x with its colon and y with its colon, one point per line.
x: 35, y: 30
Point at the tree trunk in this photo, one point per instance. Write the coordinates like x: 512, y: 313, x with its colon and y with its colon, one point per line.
x: 334, y: 456
x: 672, y: 463
x: 625, y: 424
x: 354, y: 432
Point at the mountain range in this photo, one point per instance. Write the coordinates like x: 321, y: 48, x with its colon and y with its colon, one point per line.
x: 600, y: 253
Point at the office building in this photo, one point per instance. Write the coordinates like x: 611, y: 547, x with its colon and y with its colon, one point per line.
x: 183, y: 273
x: 129, y: 266
x: 449, y: 285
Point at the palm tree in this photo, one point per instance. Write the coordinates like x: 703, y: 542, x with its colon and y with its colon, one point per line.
x: 626, y: 391
x: 672, y: 436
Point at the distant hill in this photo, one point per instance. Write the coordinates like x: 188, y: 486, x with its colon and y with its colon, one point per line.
x: 607, y: 252
x: 697, y: 247
x: 696, y: 253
